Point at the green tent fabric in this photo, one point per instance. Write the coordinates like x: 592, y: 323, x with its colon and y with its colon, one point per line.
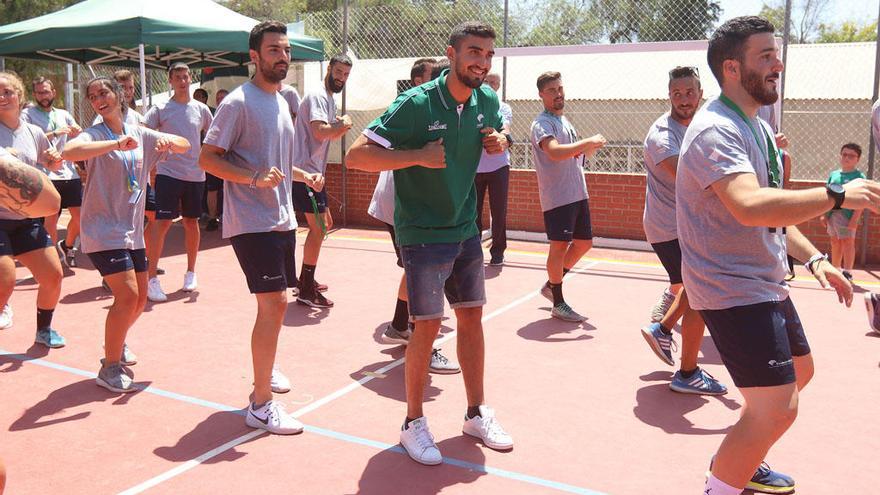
x: 201, y: 33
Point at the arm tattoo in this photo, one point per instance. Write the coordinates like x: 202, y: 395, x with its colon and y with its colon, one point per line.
x: 20, y: 185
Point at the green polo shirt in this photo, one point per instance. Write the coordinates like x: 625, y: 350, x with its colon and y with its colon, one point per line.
x: 436, y: 205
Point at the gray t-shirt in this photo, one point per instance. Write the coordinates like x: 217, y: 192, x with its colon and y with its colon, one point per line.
x: 663, y: 141
x: 255, y: 129
x: 311, y: 153
x: 29, y: 143
x: 132, y: 117
x: 559, y: 183
x: 48, y: 122
x: 291, y: 96
x: 382, y: 204
x: 725, y: 264
x: 768, y: 114
x: 492, y: 162
x: 109, y: 219
x: 189, y: 121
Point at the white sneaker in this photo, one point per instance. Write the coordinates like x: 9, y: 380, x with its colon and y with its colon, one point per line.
x: 487, y: 428
x: 154, y: 291
x: 6, y: 317
x: 441, y: 365
x: 280, y: 384
x: 273, y: 418
x: 190, y: 282
x: 419, y: 443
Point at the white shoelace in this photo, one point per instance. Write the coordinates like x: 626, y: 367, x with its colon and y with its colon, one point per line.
x: 424, y: 437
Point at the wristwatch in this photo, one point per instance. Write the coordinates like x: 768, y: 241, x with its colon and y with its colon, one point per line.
x: 837, y: 193
x: 815, y: 259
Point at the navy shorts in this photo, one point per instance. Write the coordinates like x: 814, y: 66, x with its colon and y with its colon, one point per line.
x: 301, y: 201
x: 567, y: 222
x: 267, y: 260
x: 175, y: 197
x: 390, y: 229
x: 23, y: 236
x: 71, y: 192
x: 150, y: 204
x: 213, y: 183
x: 119, y: 260
x: 669, y: 253
x: 757, y: 342
x: 454, y: 268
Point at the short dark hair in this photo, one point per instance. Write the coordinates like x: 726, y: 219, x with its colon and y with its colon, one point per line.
x: 41, y: 80
x: 200, y: 91
x: 546, y: 78
x: 439, y: 67
x: 729, y: 40
x: 852, y: 146
x: 470, y: 28
x: 256, y: 37
x: 340, y: 58
x: 681, y: 72
x: 419, y: 66
x: 123, y: 75
x: 176, y: 66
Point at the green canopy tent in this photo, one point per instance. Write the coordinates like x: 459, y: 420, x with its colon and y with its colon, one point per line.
x: 154, y: 33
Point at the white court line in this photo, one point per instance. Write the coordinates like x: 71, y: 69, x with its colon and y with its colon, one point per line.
x: 188, y: 465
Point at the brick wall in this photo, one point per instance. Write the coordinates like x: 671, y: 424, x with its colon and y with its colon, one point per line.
x: 616, y: 205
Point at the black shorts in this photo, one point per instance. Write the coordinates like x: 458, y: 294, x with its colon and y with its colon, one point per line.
x: 23, y: 236
x: 757, y: 342
x: 119, y: 260
x: 390, y: 229
x: 267, y: 260
x: 567, y: 222
x: 175, y: 197
x: 71, y: 192
x: 301, y: 201
x: 213, y: 183
x: 669, y: 253
x: 150, y: 204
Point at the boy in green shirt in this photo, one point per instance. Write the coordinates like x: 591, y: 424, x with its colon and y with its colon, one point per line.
x: 842, y: 224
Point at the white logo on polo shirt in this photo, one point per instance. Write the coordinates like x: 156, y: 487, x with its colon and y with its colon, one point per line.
x: 436, y: 126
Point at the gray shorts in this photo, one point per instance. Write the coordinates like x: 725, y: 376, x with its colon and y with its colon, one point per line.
x: 838, y: 226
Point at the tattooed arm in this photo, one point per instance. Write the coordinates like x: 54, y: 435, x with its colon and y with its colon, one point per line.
x: 26, y: 190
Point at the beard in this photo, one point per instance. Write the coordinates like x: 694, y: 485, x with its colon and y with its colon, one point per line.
x: 558, y: 104
x: 755, y: 86
x: 46, y: 104
x: 273, y: 73
x: 684, y: 114
x: 335, y: 85
x: 470, y: 81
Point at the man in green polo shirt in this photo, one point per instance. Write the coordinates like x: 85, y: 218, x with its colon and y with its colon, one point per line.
x: 432, y: 137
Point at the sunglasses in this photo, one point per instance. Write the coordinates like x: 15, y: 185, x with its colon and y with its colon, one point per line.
x: 682, y: 71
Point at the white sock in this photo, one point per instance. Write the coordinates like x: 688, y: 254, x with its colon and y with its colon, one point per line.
x: 714, y: 486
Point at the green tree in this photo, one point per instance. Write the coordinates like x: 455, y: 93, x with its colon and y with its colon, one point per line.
x: 281, y: 10
x: 563, y: 22
x: 806, y: 18
x: 627, y: 21
x: 847, y: 32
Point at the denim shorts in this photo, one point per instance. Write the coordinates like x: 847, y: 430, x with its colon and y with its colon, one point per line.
x: 454, y: 268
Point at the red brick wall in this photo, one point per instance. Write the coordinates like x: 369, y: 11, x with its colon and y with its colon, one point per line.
x: 616, y: 205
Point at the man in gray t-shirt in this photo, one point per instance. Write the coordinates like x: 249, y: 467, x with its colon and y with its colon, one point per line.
x: 316, y: 126
x: 180, y: 183
x: 735, y: 224
x: 661, y: 151
x: 291, y: 96
x: 558, y: 155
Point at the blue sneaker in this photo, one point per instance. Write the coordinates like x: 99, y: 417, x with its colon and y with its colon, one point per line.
x: 872, y: 304
x: 49, y: 338
x: 766, y: 480
x: 661, y: 343
x: 700, y: 383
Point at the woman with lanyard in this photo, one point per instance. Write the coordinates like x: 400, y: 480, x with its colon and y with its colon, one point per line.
x: 118, y: 159
x: 23, y: 238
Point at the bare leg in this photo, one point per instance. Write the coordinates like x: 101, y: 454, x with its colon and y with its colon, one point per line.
x: 676, y: 309
x: 556, y: 261
x: 418, y: 355
x: 576, y: 250
x: 836, y: 253
x: 72, y: 227
x: 7, y: 279
x: 271, y: 307
x: 848, y: 247
x: 46, y: 268
x: 51, y: 225
x: 126, y: 289
x: 192, y: 238
x: 312, y: 246
x: 471, y: 352
x: 154, y: 249
x: 691, y: 335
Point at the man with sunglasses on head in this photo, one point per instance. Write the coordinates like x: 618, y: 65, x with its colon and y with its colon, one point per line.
x: 662, y: 147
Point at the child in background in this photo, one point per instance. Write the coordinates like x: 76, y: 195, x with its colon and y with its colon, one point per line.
x: 842, y: 224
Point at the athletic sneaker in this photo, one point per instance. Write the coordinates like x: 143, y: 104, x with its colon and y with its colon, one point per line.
x: 416, y: 438
x: 67, y: 255
x: 659, y: 310
x: 319, y: 287
x: 6, y: 317
x: 496, y: 261
x: 700, y: 383
x: 212, y: 225
x: 847, y: 275
x: 766, y: 480
x: 441, y: 365
x: 487, y: 428
x: 273, y: 418
x: 279, y: 383
x: 154, y: 291
x: 128, y: 358
x: 661, y: 343
x: 564, y: 312
x: 392, y: 336
x: 115, y: 379
x: 547, y: 292
x: 190, y: 282
x: 315, y: 300
x: 872, y: 304
x: 49, y: 338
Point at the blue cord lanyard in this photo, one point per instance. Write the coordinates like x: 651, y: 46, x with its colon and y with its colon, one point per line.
x: 128, y: 159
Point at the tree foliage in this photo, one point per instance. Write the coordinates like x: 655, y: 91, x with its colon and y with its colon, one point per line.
x: 806, y: 18
x: 847, y: 32
x: 626, y: 21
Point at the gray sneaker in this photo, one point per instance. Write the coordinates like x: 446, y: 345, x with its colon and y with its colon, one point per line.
x: 128, y: 358
x: 564, y: 312
x: 115, y: 379
x: 546, y: 292
x: 659, y: 310
x: 392, y: 336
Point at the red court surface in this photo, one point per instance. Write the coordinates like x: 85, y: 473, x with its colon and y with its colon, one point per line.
x: 588, y: 405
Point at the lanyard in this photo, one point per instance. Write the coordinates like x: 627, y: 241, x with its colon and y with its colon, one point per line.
x: 771, y: 157
x: 128, y: 159
x: 51, y: 116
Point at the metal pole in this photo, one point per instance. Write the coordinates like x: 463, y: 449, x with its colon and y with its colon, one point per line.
x: 143, y: 67
x: 872, y: 145
x: 342, y: 142
x: 68, y: 90
x: 504, y: 59
x: 786, y: 36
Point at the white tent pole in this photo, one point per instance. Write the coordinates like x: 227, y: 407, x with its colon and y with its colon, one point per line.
x: 143, y: 78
